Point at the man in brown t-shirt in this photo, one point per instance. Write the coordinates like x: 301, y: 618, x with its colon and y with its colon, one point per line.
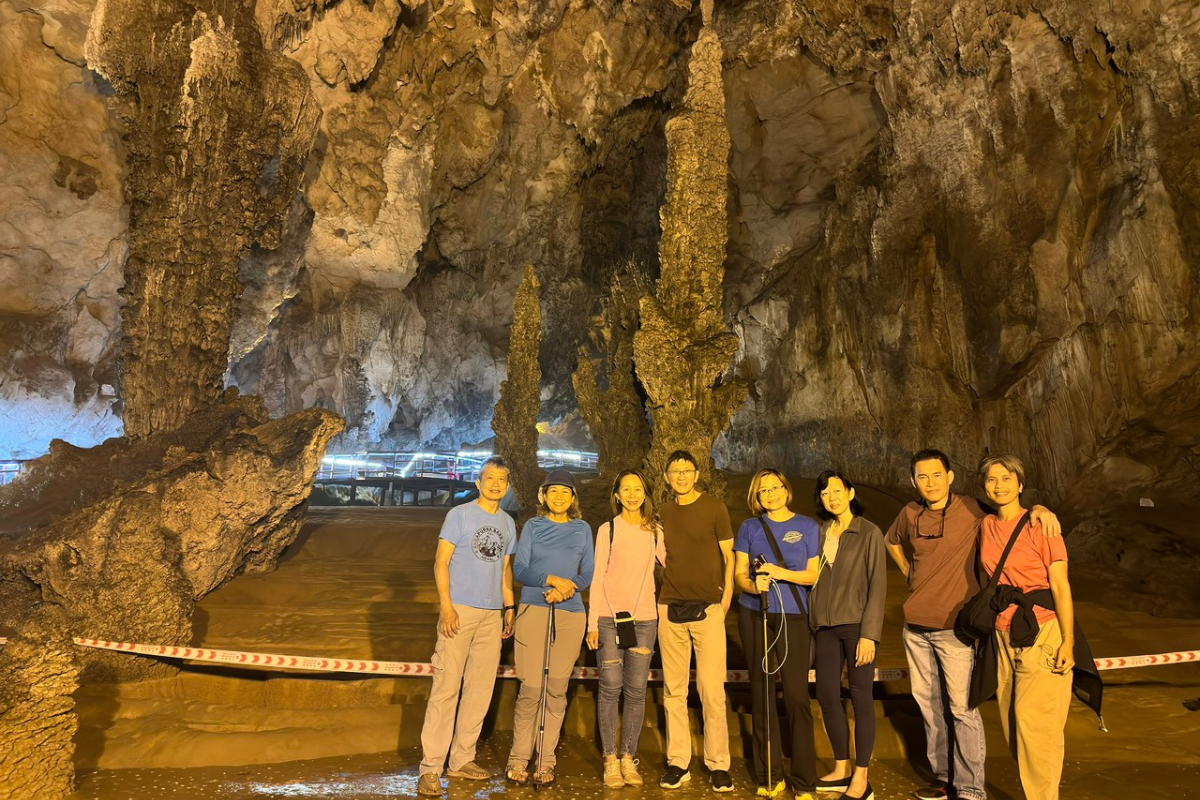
x: 698, y: 540
x: 942, y: 533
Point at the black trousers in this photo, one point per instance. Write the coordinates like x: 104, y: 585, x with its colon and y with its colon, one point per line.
x: 837, y: 646
x: 801, y: 774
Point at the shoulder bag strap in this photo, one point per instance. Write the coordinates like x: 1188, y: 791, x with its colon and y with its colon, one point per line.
x: 995, y: 576
x: 779, y: 555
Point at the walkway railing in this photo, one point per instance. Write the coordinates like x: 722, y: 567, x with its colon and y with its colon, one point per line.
x: 9, y: 470
x: 461, y: 465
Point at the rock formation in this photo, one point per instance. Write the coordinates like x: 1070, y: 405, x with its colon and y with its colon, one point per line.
x: 39, y: 674
x: 970, y: 226
x: 516, y: 415
x: 684, y: 348
x: 119, y: 541
x: 218, y: 134
x: 616, y: 413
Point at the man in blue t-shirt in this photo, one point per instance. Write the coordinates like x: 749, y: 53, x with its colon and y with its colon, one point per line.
x: 474, y: 576
x: 786, y: 547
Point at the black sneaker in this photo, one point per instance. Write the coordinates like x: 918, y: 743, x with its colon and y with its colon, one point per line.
x: 674, y: 777
x: 934, y: 791
x: 721, y: 781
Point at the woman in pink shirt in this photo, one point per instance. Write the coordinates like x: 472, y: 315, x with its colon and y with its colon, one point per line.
x: 1035, y: 630
x: 623, y: 621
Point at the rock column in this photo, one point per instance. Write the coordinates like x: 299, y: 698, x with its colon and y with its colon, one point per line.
x: 684, y: 347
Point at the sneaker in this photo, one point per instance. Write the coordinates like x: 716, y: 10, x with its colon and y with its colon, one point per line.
x: 629, y: 771
x: 805, y: 796
x: 767, y: 791
x: 934, y: 791
x: 722, y: 781
x: 430, y: 784
x: 674, y: 777
x: 471, y: 771
x: 612, y: 774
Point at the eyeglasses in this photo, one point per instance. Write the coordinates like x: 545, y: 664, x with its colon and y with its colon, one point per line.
x: 769, y: 490
x: 679, y: 473
x: 941, y: 528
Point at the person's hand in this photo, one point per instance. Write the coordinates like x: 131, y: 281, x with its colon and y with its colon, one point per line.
x: 448, y: 622
x: 762, y: 583
x: 593, y: 639
x: 770, y: 570
x: 564, y: 587
x: 510, y: 623
x: 1043, y: 516
x: 553, y: 596
x: 865, y: 652
x: 1064, y: 660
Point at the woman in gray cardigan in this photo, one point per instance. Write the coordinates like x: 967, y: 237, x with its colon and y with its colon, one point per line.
x: 846, y: 612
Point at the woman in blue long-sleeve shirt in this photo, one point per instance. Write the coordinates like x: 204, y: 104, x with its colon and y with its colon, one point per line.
x: 553, y: 562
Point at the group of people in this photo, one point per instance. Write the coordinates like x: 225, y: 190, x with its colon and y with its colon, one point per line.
x: 812, y: 594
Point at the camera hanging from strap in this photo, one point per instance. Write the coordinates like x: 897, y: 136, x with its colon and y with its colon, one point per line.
x: 779, y: 557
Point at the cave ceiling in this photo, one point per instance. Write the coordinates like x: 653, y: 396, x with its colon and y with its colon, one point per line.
x: 970, y: 225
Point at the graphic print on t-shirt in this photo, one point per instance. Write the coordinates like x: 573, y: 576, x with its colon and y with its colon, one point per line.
x: 488, y: 544
x: 791, y: 537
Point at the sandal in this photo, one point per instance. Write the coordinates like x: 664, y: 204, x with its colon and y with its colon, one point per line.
x: 517, y: 774
x: 544, y: 776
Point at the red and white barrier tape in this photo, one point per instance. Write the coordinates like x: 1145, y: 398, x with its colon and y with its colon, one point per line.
x: 414, y: 668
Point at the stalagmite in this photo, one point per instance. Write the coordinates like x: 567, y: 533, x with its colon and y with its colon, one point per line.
x: 515, y: 420
x: 684, y: 347
x: 616, y: 414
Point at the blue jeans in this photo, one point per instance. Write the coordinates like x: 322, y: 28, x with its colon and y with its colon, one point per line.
x: 940, y: 667
x: 627, y: 669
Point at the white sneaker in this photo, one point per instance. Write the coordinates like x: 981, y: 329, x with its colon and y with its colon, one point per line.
x: 612, y: 774
x: 629, y: 771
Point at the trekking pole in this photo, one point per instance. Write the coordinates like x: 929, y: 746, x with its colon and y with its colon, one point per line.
x: 764, y: 604
x: 545, y: 689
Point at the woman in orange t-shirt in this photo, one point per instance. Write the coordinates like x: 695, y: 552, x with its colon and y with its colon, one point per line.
x: 1035, y: 633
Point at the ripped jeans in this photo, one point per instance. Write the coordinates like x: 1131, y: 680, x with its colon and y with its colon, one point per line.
x: 626, y: 670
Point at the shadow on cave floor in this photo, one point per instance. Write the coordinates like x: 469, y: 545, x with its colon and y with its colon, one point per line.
x: 358, y: 584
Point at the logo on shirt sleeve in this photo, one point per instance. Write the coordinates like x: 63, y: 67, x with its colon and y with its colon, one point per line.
x: 791, y: 537
x: 488, y: 544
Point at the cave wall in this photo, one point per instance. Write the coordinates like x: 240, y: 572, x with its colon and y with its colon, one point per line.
x: 952, y: 224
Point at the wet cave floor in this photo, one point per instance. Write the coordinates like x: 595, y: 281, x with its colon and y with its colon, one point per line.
x: 395, y: 775
x: 358, y: 584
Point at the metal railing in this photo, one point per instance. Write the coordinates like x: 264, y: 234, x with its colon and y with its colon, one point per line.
x: 460, y: 465
x: 9, y: 470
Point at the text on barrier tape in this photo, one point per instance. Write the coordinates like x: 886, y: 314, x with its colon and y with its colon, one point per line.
x: 414, y: 668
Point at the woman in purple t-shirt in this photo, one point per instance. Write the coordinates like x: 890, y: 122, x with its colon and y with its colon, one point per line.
x: 775, y: 561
